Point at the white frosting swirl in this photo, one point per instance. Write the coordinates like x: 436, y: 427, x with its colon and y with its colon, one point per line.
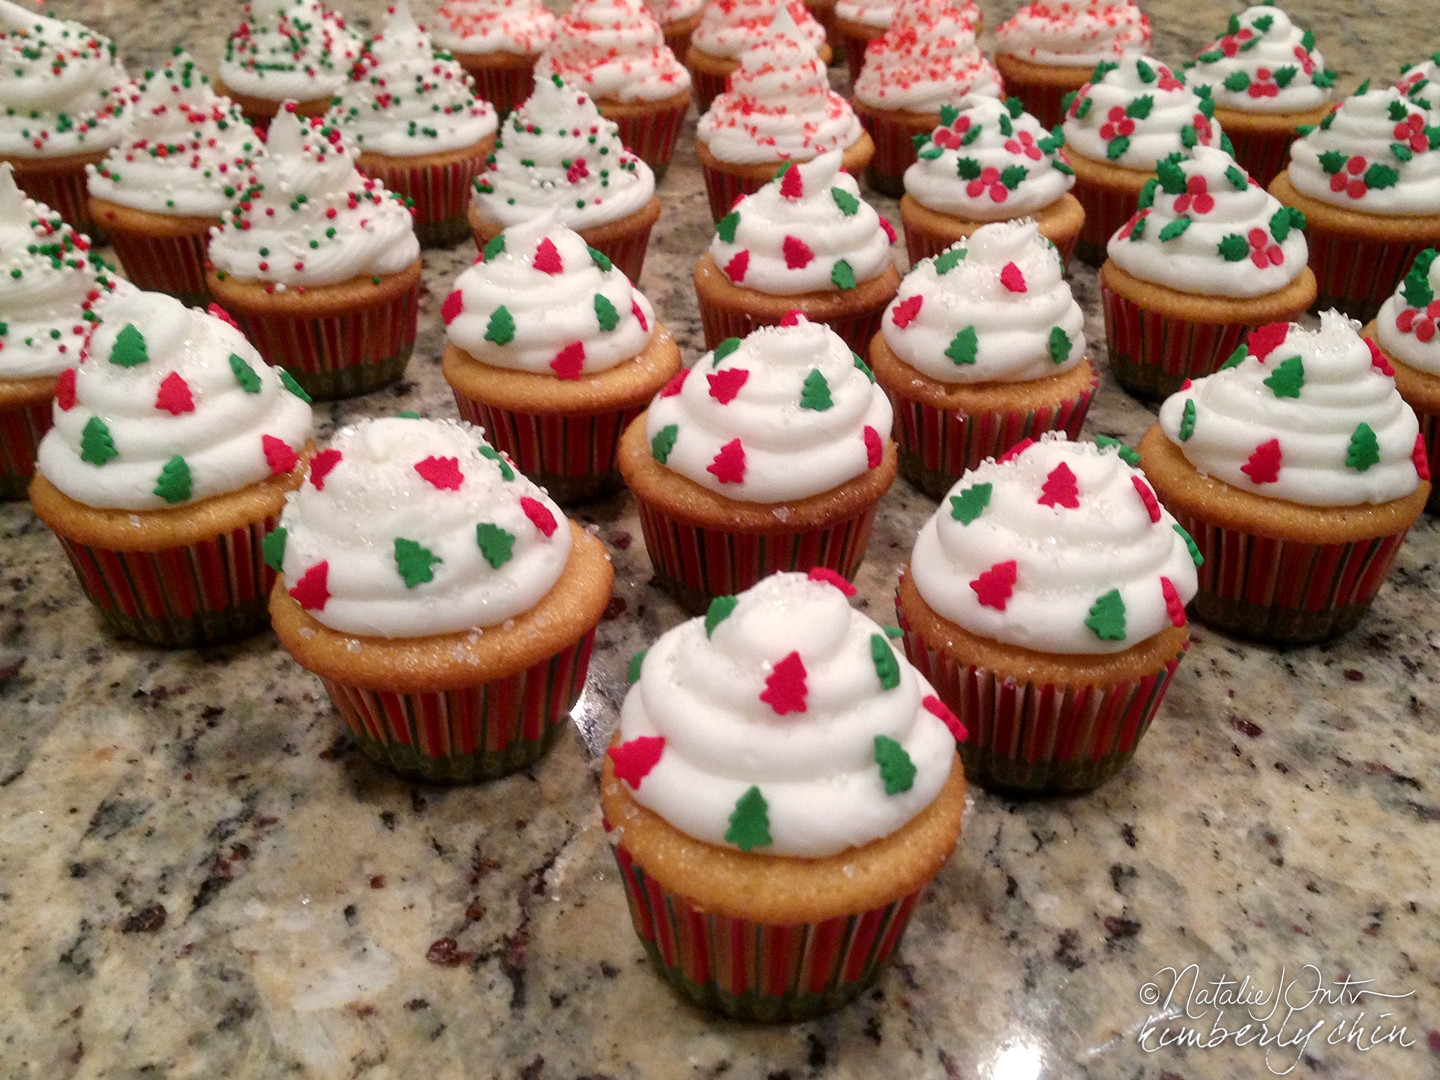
x: 615, y: 50
x: 1264, y: 63
x: 404, y: 100
x: 1204, y: 226
x: 927, y: 58
x: 988, y: 162
x: 1290, y: 426
x: 1408, y: 325
x: 288, y: 49
x: 796, y: 413
x: 419, y: 532
x: 1421, y: 82
x: 557, y: 154
x: 816, y: 771
x: 189, y: 152
x: 884, y: 12
x: 1349, y: 159
x: 520, y: 27
x: 731, y: 28
x: 311, y: 218
x: 171, y: 405
x: 1135, y: 111
x: 794, y: 243
x: 64, y: 91
x: 553, y: 310
x: 1079, y: 34
x: 672, y: 11
x: 1074, y: 527
x: 957, y: 320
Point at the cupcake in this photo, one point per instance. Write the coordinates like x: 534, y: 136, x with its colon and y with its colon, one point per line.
x: 187, y: 159
x: 770, y: 454
x: 615, y: 52
x: 445, y: 602
x: 730, y: 29
x: 858, y: 24
x: 1132, y: 115
x: 806, y: 242
x: 553, y: 352
x: 925, y: 61
x: 418, y: 127
x: 51, y: 291
x: 781, y: 788
x: 1298, y: 470
x: 557, y: 155
x: 1266, y: 79
x: 987, y: 161
x: 1048, y: 50
x: 1421, y: 82
x: 319, y: 265
x: 678, y: 20
x: 982, y: 348
x: 173, y: 447
x: 1045, y: 600
x: 1367, y: 179
x: 286, y: 50
x: 1208, y: 256
x: 1405, y: 332
x: 779, y: 107
x: 66, y: 100
x: 497, y: 42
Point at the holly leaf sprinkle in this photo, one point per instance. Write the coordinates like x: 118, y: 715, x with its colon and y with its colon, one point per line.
x: 1175, y: 229
x: 1238, y: 180
x: 1379, y: 177
x: 896, y: 768
x: 1107, y: 617
x: 718, y: 611
x: 1233, y: 248
x: 749, y: 822
x: 1116, y: 147
x: 841, y: 276
x: 495, y: 543
x: 1139, y: 108
x: 1170, y: 175
x: 415, y: 562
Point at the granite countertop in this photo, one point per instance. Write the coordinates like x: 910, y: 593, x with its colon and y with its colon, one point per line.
x: 200, y: 876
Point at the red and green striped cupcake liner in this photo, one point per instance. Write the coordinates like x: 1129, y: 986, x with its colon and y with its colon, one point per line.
x: 1355, y: 274
x: 1262, y: 154
x: 706, y: 86
x: 441, y: 195
x: 166, y: 264
x: 21, y: 429
x: 855, y: 330
x: 1152, y: 354
x: 506, y: 88
x: 1430, y: 434
x: 67, y: 194
x: 1043, y: 100
x: 1106, y: 209
x: 755, y: 970
x: 475, y: 733
x: 724, y: 189
x: 651, y: 137
x: 894, y: 152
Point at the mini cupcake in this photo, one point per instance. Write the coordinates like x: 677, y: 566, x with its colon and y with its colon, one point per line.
x: 779, y: 107
x: 804, y: 242
x: 1298, y: 470
x: 417, y: 125
x: 65, y: 100
x: 1045, y: 600
x: 925, y: 61
x: 1266, y: 79
x: 987, y: 161
x: 983, y: 347
x: 319, y: 265
x: 615, y: 52
x: 1405, y: 331
x: 187, y: 159
x: 1208, y: 256
x: 497, y: 42
x: 50, y: 293
x: 781, y: 788
x: 557, y: 155
x: 1421, y: 82
x: 1048, y: 50
x: 770, y: 454
x: 859, y: 24
x: 553, y: 352
x: 678, y: 20
x: 173, y: 448
x: 1134, y: 113
x: 286, y: 50
x: 445, y: 602
x: 729, y: 30
x: 1367, y: 179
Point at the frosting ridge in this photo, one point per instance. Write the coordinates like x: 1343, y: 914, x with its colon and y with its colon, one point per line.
x: 614, y: 49
x: 1264, y: 63
x: 1079, y: 34
x: 927, y: 58
x: 1135, y: 111
x: 288, y: 49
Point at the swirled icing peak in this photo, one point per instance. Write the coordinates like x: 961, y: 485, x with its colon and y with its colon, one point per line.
x: 1077, y: 34
x: 288, y: 49
x: 884, y: 12
x: 731, y: 28
x: 927, y: 58
x: 1378, y: 152
x: 540, y: 300
x: 1264, y: 63
x: 520, y: 27
x: 170, y: 405
x: 1060, y: 548
x: 1421, y: 82
x: 557, y: 154
x: 1205, y: 226
x: 410, y: 527
x: 1135, y: 111
x: 670, y: 11
x: 993, y: 308
x: 988, y: 161
x: 1304, y: 415
x: 807, y: 230
x: 64, y: 91
x: 780, y: 415
x: 783, y: 722
x: 1408, y: 320
x: 614, y: 49
x: 778, y: 103
x: 311, y: 218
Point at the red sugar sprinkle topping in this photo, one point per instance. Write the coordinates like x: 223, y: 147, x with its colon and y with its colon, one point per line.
x: 830, y: 577
x: 312, y: 591
x: 633, y: 760
x: 569, y: 362
x: 1152, y: 504
x: 65, y: 390
x: 724, y: 385
x: 278, y: 454
x: 539, y: 515
x: 320, y: 466
x: 994, y: 586
x: 452, y: 307
x: 441, y: 472
x: 938, y: 708
x: 785, y: 688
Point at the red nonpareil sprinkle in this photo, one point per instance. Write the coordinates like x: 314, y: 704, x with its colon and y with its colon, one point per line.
x: 65, y: 390
x: 736, y: 267
x: 874, y: 447
x: 791, y: 317
x: 1012, y: 278
x: 320, y: 466
x: 676, y: 382
x: 791, y: 186
x: 952, y: 722
x: 831, y: 577
x: 633, y: 760
x: 1264, y: 464
x: 1152, y: 504
x: 724, y: 385
x: 1377, y: 359
x: 1060, y: 488
x: 452, y: 307
x: 729, y: 464
x: 547, y: 259
x: 903, y: 314
x: 1264, y: 340
x: 278, y: 454
x: 1174, y: 606
x: 1015, y: 451
x: 797, y: 253
x: 569, y: 362
x: 312, y: 591
x: 221, y: 314
x: 441, y: 472
x: 785, y: 688
x: 995, y: 586
x: 539, y: 515
x: 1420, y: 458
x: 639, y: 315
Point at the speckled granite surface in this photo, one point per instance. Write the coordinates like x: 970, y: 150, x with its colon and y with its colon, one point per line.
x: 199, y: 877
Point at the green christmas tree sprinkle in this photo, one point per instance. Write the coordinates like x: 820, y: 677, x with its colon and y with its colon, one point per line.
x: 1059, y: 345
x: 816, y: 392
x: 750, y: 822
x: 496, y: 544
x: 1128, y: 454
x: 718, y: 611
x: 174, y: 483
x: 1287, y: 379
x: 887, y: 668
x: 964, y: 346
x: 841, y: 276
x: 495, y: 247
x: 489, y: 452
x: 1187, y: 420
x: 1107, y: 617
x: 272, y: 548
x: 725, y: 227
x: 664, y: 442
x: 244, y: 374
x: 129, y: 348
x: 896, y: 768
x: 636, y: 662
x: 605, y: 313
x: 415, y: 562
x: 849, y: 205
x: 501, y: 327
x: 288, y: 381
x: 1364, y: 448
x: 968, y: 505
x: 96, y: 444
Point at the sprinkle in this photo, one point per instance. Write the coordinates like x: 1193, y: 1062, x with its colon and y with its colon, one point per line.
x: 736, y: 267
x: 724, y: 349
x: 791, y: 317
x: 496, y: 246
x: 220, y: 313
x: 718, y: 611
x: 896, y: 768
x: 288, y: 381
x: 1012, y: 278
x: 1015, y: 451
x: 826, y: 576
x: 1174, y: 606
x: 1128, y: 454
x: 1152, y: 504
x: 935, y: 706
x: 1107, y: 617
x: 312, y: 592
x: 903, y: 313
x: 244, y: 374
x: 887, y: 228
x: 441, y: 472
x: 539, y: 515
x: 1190, y: 545
x: 65, y: 390
x: 841, y: 275
x: 968, y: 505
x: 496, y: 544
x: 725, y: 228
x: 815, y: 394
x: 632, y: 673
x: 1420, y: 457
x: 129, y: 348
x: 964, y: 346
x: 1264, y: 464
x: 272, y: 548
x: 174, y: 396
x: 874, y: 447
x: 452, y: 307
x: 1059, y: 345
x: 501, y: 327
x: 1378, y: 359
x: 547, y: 258
x: 995, y: 586
x: 96, y: 444
x: 491, y: 454
x: 797, y: 253
x: 1187, y: 420
x: 633, y: 760
x: 1364, y: 450
x: 415, y: 563
x: 1265, y: 339
x: 749, y: 822
x: 677, y: 380
x: 1060, y: 488
x: 1288, y: 378
x: 569, y: 362
x: 729, y: 464
x: 174, y: 484
x: 320, y: 466
x: 278, y: 454
x: 639, y: 315
x: 664, y: 442
x: 791, y: 185
x: 785, y: 688
x: 887, y: 668
x: 849, y: 205
x: 724, y: 385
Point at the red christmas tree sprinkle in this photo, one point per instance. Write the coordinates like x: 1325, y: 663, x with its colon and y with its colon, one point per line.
x: 736, y: 267
x: 547, y: 259
x: 791, y: 317
x: 785, y: 686
x: 320, y: 466
x: 569, y: 361
x: 1152, y: 504
x: 634, y: 759
x: 1377, y: 359
x: 442, y: 472
x: 995, y: 585
x: 1012, y: 278
x: 874, y: 447
x: 937, y: 707
x: 311, y: 592
x: 539, y: 515
x: 174, y: 395
x: 278, y: 454
x: 791, y: 186
x: 452, y: 307
x: 639, y: 315
x: 729, y: 464
x: 1264, y: 340
x: 676, y: 382
x: 903, y: 314
x: 221, y: 314
x: 830, y: 577
x: 724, y: 385
x: 1420, y: 458
x: 1264, y: 464
x: 65, y: 390
x: 1015, y: 451
x: 1059, y: 488
x: 1174, y: 606
x: 797, y: 253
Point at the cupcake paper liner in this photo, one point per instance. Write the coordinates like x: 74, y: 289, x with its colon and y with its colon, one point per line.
x: 760, y: 971
x: 1152, y: 354
x: 65, y: 192
x: 504, y: 87
x: 475, y: 733
x: 723, y: 189
x: 21, y: 429
x: 1043, y: 100
x: 651, y: 137
x: 1430, y: 433
x: 718, y: 324
x: 706, y: 86
x: 441, y: 194
x: 1356, y: 274
x: 1263, y: 155
x: 167, y: 264
x: 923, y: 244
x: 1106, y: 209
x: 894, y: 150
